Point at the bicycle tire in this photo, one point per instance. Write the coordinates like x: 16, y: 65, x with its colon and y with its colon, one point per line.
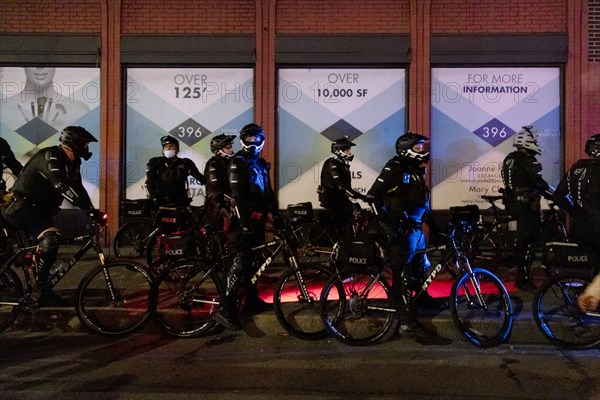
x: 11, y: 292
x: 353, y: 316
x: 312, y: 243
x: 130, y: 239
x: 558, y: 316
x: 184, y: 299
x: 484, y: 324
x: 114, y: 300
x: 297, y: 314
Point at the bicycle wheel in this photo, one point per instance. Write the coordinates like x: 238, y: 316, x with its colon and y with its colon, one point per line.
x: 312, y: 243
x: 296, y: 301
x: 481, y: 308
x: 113, y: 300
x: 185, y: 298
x: 356, y: 307
x: 558, y: 316
x: 486, y: 249
x: 130, y: 240
x: 11, y: 292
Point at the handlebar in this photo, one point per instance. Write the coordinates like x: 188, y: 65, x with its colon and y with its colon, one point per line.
x: 491, y: 199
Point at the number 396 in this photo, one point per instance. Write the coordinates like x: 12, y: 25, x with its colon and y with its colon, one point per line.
x: 189, y: 132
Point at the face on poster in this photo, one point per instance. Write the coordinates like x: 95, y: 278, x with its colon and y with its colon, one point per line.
x: 475, y: 113
x: 37, y: 103
x: 190, y: 104
x: 320, y: 105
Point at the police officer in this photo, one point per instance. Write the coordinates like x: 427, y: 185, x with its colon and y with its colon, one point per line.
x: 51, y: 175
x: 217, y: 185
x: 579, y: 193
x: 254, y: 199
x: 8, y: 159
x: 402, y: 197
x: 167, y: 175
x: 524, y: 186
x: 336, y: 190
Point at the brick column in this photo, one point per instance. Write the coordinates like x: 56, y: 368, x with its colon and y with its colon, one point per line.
x: 576, y: 94
x: 419, y: 116
x: 264, y: 102
x: 110, y: 111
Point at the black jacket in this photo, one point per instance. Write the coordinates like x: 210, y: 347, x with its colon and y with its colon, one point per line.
x: 251, y: 188
x: 522, y: 177
x: 167, y: 179
x: 401, y: 187
x: 7, y: 157
x: 48, y: 178
x: 336, y: 182
x: 579, y: 190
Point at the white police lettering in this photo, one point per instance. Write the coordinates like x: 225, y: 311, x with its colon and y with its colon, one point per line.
x: 577, y: 259
x: 357, y: 260
x: 169, y: 220
x: 175, y: 252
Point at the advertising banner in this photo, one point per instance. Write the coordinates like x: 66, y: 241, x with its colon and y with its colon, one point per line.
x: 318, y: 106
x: 191, y: 104
x: 37, y: 103
x: 475, y: 112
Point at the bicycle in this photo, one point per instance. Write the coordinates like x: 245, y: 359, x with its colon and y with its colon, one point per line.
x: 186, y: 296
x: 489, y: 240
x: 312, y: 238
x: 111, y: 299
x: 555, y: 310
x: 139, y: 237
x: 357, y: 309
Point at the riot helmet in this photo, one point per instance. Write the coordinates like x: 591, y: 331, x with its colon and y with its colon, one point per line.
x: 339, y: 146
x: 525, y: 140
x: 77, y: 138
x: 252, y: 148
x: 219, y: 142
x: 592, y: 146
x: 405, y: 144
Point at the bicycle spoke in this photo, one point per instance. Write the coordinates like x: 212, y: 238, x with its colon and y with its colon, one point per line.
x: 114, y: 301
x: 481, y: 308
x: 356, y: 308
x: 185, y: 299
x: 558, y: 316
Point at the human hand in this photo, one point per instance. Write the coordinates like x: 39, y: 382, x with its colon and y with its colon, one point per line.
x: 588, y: 303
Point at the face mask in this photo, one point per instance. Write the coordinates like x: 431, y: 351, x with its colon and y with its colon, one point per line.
x: 170, y: 153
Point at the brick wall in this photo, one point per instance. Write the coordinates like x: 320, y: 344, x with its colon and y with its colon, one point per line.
x: 188, y: 17
x: 594, y: 30
x: 593, y: 109
x: 484, y: 16
x: 50, y: 16
x: 348, y: 16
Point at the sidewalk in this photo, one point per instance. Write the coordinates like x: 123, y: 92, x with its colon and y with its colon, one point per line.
x: 63, y: 320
